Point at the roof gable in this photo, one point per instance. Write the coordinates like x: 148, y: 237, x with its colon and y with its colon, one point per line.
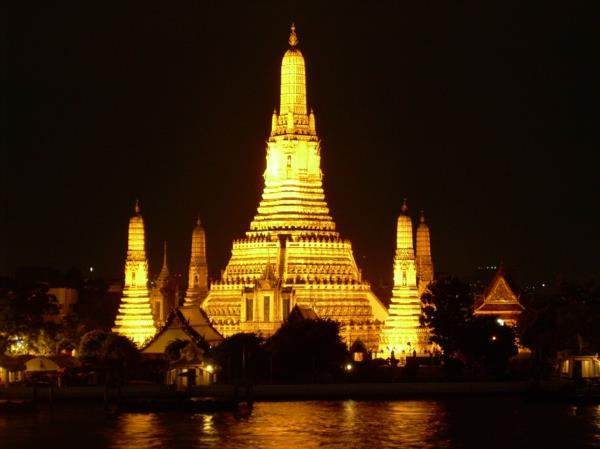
x: 499, y: 298
x: 190, y: 324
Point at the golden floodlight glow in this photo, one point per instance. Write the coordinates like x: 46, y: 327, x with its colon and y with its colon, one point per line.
x: 400, y: 334
x: 134, y: 319
x: 292, y: 254
x: 424, y: 260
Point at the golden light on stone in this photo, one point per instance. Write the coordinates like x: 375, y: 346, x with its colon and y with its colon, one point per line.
x: 424, y: 261
x: 134, y: 319
x: 402, y: 333
x: 292, y: 253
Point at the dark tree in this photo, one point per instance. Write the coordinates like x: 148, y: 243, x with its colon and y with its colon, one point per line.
x: 111, y: 353
x: 241, y: 357
x: 307, y: 350
x: 561, y: 318
x: 488, y: 345
x: 448, y: 312
x: 481, y: 343
x: 96, y: 307
x: 26, y: 312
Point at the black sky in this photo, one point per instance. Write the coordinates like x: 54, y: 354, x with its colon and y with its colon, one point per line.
x: 480, y: 114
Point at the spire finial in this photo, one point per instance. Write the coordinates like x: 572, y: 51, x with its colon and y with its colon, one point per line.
x: 137, y: 208
x: 198, y: 221
x: 404, y: 207
x: 165, y: 254
x: 293, y: 40
x: 422, y: 216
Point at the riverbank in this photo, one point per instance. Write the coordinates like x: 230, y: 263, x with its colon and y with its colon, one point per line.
x: 294, y: 392
x: 379, y: 391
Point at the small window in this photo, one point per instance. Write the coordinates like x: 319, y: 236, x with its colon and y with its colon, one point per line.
x: 285, y: 308
x: 289, y: 162
x: 267, y: 308
x: 249, y: 309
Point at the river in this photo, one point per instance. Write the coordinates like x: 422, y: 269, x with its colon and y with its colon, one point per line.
x: 481, y: 423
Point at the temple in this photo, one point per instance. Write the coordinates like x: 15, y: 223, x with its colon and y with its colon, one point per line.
x: 291, y: 259
x: 293, y: 254
x: 134, y: 319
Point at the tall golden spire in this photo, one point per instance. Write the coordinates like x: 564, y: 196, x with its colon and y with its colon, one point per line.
x: 424, y: 260
x: 293, y: 197
x: 164, y: 271
x: 198, y: 273
x: 401, y: 331
x: 293, y: 79
x: 404, y: 234
x: 134, y: 319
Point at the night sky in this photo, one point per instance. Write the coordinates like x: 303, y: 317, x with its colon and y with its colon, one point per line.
x: 481, y: 115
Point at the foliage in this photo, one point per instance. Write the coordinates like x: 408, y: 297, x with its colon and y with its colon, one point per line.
x: 241, y: 357
x: 561, y: 318
x: 91, y: 346
x: 481, y: 342
x: 111, y: 352
x: 447, y: 311
x: 96, y: 307
x: 307, y: 350
x: 26, y: 311
x: 489, y: 345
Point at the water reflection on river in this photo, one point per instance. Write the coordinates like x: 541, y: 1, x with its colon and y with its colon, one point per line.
x: 488, y: 423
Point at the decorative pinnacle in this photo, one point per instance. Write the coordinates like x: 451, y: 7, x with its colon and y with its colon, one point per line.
x: 136, y: 208
x: 422, y: 216
x: 198, y: 221
x: 404, y: 207
x: 165, y: 254
x: 293, y: 40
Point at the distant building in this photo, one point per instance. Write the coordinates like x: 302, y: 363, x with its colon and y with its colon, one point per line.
x: 499, y: 300
x: 66, y: 298
x: 12, y: 370
x: 194, y: 327
x: 579, y: 366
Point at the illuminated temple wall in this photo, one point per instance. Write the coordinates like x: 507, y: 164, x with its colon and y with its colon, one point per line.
x: 292, y: 253
x: 134, y: 319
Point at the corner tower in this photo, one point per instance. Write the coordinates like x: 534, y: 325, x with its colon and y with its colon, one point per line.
x: 424, y: 260
x: 401, y: 333
x: 293, y: 253
x: 134, y: 319
x: 198, y: 274
x: 162, y: 292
